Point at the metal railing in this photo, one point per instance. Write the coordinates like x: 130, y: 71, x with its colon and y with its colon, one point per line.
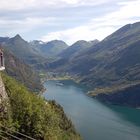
x: 7, y: 132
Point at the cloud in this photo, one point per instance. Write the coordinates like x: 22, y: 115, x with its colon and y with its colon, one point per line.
x: 38, y: 4
x: 68, y: 20
x: 85, y: 2
x: 128, y: 10
x: 15, y: 26
x: 127, y: 13
x: 79, y: 33
x: 99, y: 28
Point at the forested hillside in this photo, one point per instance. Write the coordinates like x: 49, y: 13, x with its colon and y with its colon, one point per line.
x: 22, y: 50
x: 29, y: 114
x: 24, y: 73
x: 112, y: 62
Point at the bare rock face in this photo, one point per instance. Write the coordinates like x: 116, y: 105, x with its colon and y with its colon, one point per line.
x: 3, y: 96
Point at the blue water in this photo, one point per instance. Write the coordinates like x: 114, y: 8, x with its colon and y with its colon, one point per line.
x: 93, y: 119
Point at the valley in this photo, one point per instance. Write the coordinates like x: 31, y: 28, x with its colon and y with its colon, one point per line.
x: 96, y: 82
x: 69, y: 70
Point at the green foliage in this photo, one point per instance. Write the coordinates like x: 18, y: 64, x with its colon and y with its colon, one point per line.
x: 22, y: 72
x: 35, y: 116
x: 5, y: 113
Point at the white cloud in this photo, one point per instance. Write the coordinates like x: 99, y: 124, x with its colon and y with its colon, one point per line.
x: 25, y: 25
x: 79, y: 33
x: 128, y: 10
x: 71, y: 1
x: 85, y: 2
x: 25, y: 4
x: 38, y: 4
x: 15, y: 4
x: 27, y: 22
x: 99, y: 28
x: 36, y: 16
x: 128, y: 13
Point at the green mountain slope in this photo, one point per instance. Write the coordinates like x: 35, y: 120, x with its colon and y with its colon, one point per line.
x: 23, y: 51
x: 67, y: 57
x: 115, y: 61
x: 117, y: 57
x: 49, y: 49
x: 22, y: 72
x: 31, y: 115
x: 77, y: 48
x: 102, y: 63
x: 128, y: 95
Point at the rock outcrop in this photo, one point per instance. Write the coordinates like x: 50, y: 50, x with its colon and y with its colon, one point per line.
x: 3, y: 96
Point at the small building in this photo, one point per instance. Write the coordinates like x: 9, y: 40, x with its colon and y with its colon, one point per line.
x: 2, y: 66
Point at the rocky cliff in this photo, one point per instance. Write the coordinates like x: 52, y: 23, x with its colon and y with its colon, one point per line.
x: 3, y: 97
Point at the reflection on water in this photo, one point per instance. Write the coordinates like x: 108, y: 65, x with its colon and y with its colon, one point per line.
x: 95, y: 120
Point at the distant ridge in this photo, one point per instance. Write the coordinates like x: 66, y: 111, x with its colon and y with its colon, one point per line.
x: 51, y: 48
x: 76, y: 48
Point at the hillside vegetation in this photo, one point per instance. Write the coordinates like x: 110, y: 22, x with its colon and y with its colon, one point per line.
x: 22, y: 50
x: 31, y: 115
x: 22, y: 72
x: 112, y: 61
x: 128, y: 95
x: 109, y: 65
x: 49, y: 49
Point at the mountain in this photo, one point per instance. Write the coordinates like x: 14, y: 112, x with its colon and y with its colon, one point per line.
x: 116, y: 57
x: 19, y: 47
x: 109, y: 66
x: 113, y: 62
x: 66, y: 57
x: 49, y: 49
x: 3, y: 39
x: 76, y: 48
x: 20, y: 108
x: 22, y: 50
x: 22, y: 72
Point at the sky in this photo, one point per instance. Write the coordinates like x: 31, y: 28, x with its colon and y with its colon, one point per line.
x: 67, y: 20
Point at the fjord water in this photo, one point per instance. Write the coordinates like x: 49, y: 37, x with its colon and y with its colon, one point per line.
x: 92, y: 119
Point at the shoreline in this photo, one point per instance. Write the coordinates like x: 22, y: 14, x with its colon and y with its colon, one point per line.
x: 87, y: 94
x: 64, y: 78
